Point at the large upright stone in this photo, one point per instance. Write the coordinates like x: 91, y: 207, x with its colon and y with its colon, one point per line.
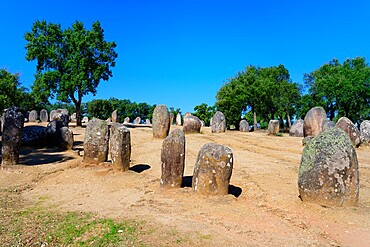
x: 66, y: 138
x: 120, y: 146
x: 192, y: 124
x: 327, y: 124
x: 350, y: 129
x: 53, y: 114
x: 11, y: 136
x: 212, y: 170
x: 44, y: 117
x: 161, y: 122
x: 328, y: 174
x: 137, y: 120
x: 244, y: 126
x: 96, y: 141
x: 273, y: 128
x: 178, y: 119
x: 297, y: 128
x: 218, y: 123
x: 115, y: 116
x: 313, y: 122
x: 59, y: 135
x: 365, y: 132
x: 173, y: 159
x: 172, y: 117
x: 126, y: 120
x: 74, y: 117
x: 33, y: 116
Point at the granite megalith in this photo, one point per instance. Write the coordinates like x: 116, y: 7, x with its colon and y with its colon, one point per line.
x: 178, y: 119
x: 33, y: 116
x: 160, y: 122
x: 213, y: 169
x: 350, y: 129
x: 120, y: 146
x: 365, y: 132
x: 115, y: 116
x: 218, y: 123
x: 243, y: 126
x: 191, y: 124
x: 297, y: 128
x: 44, y: 117
x: 96, y: 141
x: 312, y: 125
x: 273, y: 127
x: 328, y: 173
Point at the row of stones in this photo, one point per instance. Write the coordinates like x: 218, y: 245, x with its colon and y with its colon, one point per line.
x: 54, y: 114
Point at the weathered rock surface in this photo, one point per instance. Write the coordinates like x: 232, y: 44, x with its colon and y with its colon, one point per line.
x: 66, y: 138
x: 74, y: 118
x: 147, y: 121
x: 213, y: 169
x: 34, y: 136
x: 327, y: 124
x: 33, y: 116
x: 115, y: 116
x: 126, y: 120
x: 312, y: 125
x: 137, y: 120
x: 53, y: 114
x: 173, y: 159
x: 172, y: 117
x: 328, y: 174
x: 273, y: 127
x: 297, y: 128
x: 11, y: 136
x: 59, y: 135
x: 365, y: 132
x: 96, y: 141
x: 85, y: 119
x: 161, y: 122
x: 192, y: 124
x: 44, y: 117
x: 120, y: 146
x: 218, y: 123
x: 350, y: 129
x: 178, y: 119
x: 243, y: 126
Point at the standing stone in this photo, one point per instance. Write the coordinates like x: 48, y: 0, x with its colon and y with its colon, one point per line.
x: 173, y: 159
x: 64, y: 111
x: 85, y: 119
x: 328, y: 174
x: 187, y: 114
x: 327, y: 124
x: 313, y: 122
x: 115, y: 117
x: 192, y: 124
x: 218, y: 123
x: 212, y: 170
x: 96, y: 141
x: 273, y: 128
x: 127, y: 120
x: 244, y: 126
x: 161, y: 122
x: 120, y: 146
x: 172, y: 117
x: 350, y: 129
x: 137, y: 120
x: 147, y: 121
x: 74, y: 118
x: 66, y: 138
x: 59, y: 135
x: 11, y: 136
x: 178, y: 119
x: 365, y: 132
x: 33, y: 116
x: 297, y: 128
x: 52, y: 115
x: 44, y: 116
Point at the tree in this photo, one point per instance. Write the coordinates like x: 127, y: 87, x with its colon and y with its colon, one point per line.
x: 342, y: 89
x: 70, y: 62
x: 204, y: 112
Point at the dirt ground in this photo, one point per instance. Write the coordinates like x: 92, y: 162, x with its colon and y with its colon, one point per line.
x: 262, y: 208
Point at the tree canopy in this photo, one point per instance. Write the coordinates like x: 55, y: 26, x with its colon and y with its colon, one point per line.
x: 70, y: 63
x: 204, y: 112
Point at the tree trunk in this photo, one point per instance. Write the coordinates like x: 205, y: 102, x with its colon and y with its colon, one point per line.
x: 78, y: 114
x: 288, y: 118
x: 254, y: 120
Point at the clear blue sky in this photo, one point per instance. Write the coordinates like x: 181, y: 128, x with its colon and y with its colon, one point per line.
x: 180, y: 52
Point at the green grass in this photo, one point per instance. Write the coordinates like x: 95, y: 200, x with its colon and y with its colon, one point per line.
x: 36, y: 226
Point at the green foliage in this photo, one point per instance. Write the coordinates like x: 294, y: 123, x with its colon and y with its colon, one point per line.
x: 204, y: 112
x: 268, y: 92
x: 341, y: 89
x: 70, y: 62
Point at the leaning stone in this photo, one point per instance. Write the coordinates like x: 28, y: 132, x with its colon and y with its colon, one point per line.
x: 178, y: 119
x: 12, y: 136
x: 137, y: 120
x: 127, y: 120
x: 212, y: 170
x: 161, y: 122
x: 192, y: 124
x: 96, y: 141
x: 328, y: 174
x: 120, y: 146
x: 34, y: 136
x: 218, y: 123
x: 115, y: 116
x: 273, y: 127
x: 350, y: 129
x: 33, y: 116
x: 44, y: 117
x: 173, y: 159
x: 297, y: 128
x: 312, y: 125
x: 365, y: 132
x: 327, y: 124
x: 59, y: 135
x: 243, y: 126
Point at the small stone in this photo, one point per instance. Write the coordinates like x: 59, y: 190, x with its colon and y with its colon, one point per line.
x: 273, y: 128
x: 244, y: 126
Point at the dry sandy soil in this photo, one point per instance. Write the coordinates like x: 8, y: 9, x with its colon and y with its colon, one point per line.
x: 262, y: 209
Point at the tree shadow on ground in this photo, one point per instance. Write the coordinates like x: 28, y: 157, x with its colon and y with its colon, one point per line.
x: 233, y: 190
x: 34, y: 157
x: 139, y: 168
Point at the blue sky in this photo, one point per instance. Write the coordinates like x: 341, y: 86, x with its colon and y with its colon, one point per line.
x: 180, y: 52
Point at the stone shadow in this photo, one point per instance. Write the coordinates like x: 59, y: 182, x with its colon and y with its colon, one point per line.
x: 233, y: 190
x: 34, y: 157
x: 139, y: 168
